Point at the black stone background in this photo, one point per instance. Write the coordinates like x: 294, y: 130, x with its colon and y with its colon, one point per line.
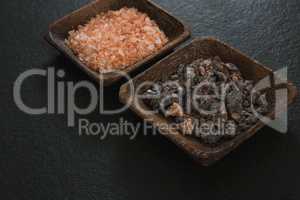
x: 41, y: 158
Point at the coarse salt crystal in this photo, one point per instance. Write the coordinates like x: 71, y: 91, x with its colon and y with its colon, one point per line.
x: 116, y: 39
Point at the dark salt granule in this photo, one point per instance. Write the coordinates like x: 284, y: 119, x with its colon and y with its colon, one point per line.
x: 235, y: 110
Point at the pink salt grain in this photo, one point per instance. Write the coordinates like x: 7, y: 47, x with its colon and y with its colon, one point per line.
x: 116, y: 39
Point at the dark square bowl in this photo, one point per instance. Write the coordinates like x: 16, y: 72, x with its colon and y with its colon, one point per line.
x: 204, y: 48
x: 174, y: 29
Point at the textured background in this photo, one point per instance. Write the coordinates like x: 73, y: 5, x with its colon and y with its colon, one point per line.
x: 40, y: 158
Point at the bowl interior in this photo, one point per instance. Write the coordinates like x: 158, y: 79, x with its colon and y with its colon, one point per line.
x: 206, y: 48
x: 172, y: 27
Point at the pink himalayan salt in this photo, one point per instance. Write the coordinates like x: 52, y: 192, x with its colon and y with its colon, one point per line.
x: 116, y: 39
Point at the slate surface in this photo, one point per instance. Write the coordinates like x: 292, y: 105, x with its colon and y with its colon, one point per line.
x: 41, y: 158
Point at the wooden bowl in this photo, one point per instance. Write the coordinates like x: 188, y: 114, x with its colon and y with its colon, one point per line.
x: 205, y: 48
x: 174, y: 29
